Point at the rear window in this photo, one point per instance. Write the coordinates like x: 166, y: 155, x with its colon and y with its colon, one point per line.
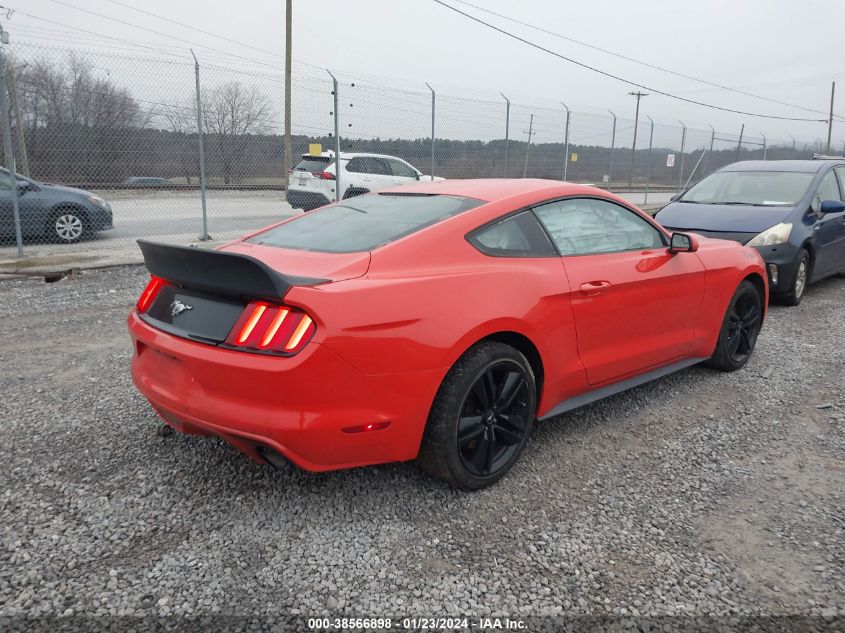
x: 364, y: 222
x: 314, y: 164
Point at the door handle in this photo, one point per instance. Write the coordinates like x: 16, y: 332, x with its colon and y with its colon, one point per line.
x: 595, y: 287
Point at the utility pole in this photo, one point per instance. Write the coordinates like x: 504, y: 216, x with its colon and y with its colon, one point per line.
x: 507, y: 129
x: 739, y: 144
x: 528, y: 146
x: 16, y: 110
x: 683, y: 144
x: 712, y: 140
x: 638, y: 95
x: 830, y: 120
x: 612, y: 147
x: 7, y: 144
x: 288, y: 159
x: 764, y: 145
x: 566, y: 142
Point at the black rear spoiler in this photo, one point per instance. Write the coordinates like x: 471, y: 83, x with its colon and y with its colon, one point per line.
x: 218, y: 272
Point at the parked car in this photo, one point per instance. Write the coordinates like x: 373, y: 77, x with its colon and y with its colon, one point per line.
x: 146, y: 181
x: 433, y: 321
x: 791, y: 211
x: 63, y: 214
x: 313, y: 180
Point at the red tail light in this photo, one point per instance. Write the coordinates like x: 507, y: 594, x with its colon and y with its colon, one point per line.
x: 272, y: 328
x: 150, y: 293
x: 326, y: 175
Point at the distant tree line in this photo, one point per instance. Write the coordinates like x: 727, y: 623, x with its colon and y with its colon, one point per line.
x: 80, y: 128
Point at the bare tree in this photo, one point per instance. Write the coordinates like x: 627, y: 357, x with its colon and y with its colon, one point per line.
x: 232, y: 113
x: 181, y: 120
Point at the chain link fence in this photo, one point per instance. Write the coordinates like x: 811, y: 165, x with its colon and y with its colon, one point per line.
x: 127, y: 131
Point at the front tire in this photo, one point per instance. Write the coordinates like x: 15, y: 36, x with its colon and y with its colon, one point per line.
x: 740, y: 329
x: 481, y: 417
x: 799, y: 282
x: 68, y: 226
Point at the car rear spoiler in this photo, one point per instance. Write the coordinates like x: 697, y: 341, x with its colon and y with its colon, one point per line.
x: 219, y: 272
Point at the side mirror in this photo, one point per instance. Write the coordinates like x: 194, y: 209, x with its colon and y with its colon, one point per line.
x: 23, y: 185
x: 683, y: 243
x: 832, y: 206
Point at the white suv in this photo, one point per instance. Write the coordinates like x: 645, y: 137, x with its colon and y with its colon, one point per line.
x: 312, y: 182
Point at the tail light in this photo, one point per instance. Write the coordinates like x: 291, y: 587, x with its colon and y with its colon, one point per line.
x: 150, y: 293
x: 275, y: 329
x: 326, y: 175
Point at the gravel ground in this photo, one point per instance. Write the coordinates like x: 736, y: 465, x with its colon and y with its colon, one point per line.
x: 699, y: 494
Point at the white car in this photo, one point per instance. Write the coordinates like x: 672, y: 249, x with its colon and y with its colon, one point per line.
x: 313, y: 181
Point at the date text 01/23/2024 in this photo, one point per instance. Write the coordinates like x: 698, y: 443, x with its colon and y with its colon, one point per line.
x: 416, y: 624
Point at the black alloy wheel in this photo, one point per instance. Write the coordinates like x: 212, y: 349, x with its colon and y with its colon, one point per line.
x: 740, y: 329
x: 743, y: 326
x: 493, y: 419
x: 481, y: 417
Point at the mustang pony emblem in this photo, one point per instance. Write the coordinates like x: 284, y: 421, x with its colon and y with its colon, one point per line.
x: 177, y: 308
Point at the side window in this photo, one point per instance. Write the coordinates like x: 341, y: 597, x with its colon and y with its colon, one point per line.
x: 828, y: 188
x: 401, y: 169
x: 517, y: 236
x: 586, y: 226
x: 378, y: 166
x: 357, y: 165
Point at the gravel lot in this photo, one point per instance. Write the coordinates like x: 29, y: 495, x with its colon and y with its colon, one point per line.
x: 699, y: 494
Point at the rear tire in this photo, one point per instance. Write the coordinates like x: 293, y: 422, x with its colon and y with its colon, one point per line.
x: 740, y: 329
x: 481, y: 417
x: 799, y: 282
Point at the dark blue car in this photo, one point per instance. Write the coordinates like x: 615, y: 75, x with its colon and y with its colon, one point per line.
x: 792, y: 211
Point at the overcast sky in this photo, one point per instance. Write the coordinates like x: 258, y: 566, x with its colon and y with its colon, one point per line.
x: 781, y: 49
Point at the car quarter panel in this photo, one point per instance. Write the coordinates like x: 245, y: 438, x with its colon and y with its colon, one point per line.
x: 727, y: 264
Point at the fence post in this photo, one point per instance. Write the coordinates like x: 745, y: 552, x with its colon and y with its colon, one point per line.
x: 507, y: 129
x: 648, y: 160
x: 337, y: 194
x: 200, y: 144
x: 10, y: 153
x: 433, y: 97
x: 566, y: 142
x: 612, y: 147
x: 683, y: 142
x: 739, y: 144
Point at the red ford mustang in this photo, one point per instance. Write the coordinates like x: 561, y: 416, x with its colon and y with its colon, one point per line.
x: 433, y: 322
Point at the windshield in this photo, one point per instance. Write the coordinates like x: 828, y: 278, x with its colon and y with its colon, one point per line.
x: 364, y: 222
x: 759, y: 188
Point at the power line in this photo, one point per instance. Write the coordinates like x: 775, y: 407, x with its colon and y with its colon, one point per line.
x: 616, y: 77
x: 634, y: 60
x: 149, y: 30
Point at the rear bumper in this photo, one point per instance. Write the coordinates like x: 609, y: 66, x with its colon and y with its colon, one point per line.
x: 298, y: 406
x: 306, y: 200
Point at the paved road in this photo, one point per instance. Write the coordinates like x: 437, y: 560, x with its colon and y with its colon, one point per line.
x: 177, y: 217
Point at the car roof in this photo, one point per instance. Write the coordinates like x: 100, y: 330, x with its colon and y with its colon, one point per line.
x: 348, y: 155
x: 492, y: 189
x: 803, y: 166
